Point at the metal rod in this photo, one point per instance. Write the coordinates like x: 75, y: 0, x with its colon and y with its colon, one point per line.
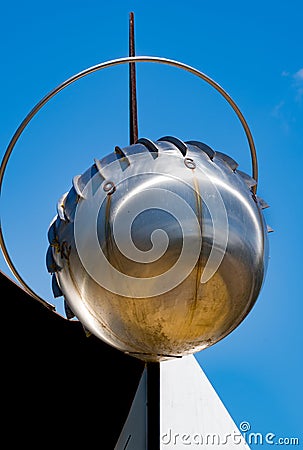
x: 133, y: 114
x: 153, y: 406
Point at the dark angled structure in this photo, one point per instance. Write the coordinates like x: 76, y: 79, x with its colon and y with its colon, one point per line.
x: 58, y: 385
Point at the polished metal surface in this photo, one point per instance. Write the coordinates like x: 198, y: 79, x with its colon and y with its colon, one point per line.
x: 78, y: 76
x: 160, y: 253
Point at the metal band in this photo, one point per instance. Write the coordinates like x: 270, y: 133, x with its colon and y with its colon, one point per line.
x: 78, y: 76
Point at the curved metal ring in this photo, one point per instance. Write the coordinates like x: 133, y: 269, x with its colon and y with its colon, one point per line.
x: 82, y: 74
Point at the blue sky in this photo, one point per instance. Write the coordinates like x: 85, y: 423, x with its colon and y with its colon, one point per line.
x: 255, y: 51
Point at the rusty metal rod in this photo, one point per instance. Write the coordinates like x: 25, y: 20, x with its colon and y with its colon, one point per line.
x: 133, y: 110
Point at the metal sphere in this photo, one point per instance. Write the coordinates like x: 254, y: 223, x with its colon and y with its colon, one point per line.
x: 160, y: 248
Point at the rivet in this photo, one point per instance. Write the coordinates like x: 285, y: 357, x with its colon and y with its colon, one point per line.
x: 109, y: 187
x: 189, y: 163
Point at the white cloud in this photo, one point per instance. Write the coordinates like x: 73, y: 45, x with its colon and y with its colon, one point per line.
x: 298, y: 85
x: 298, y: 76
x: 276, y: 112
x: 286, y: 110
x: 280, y: 113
